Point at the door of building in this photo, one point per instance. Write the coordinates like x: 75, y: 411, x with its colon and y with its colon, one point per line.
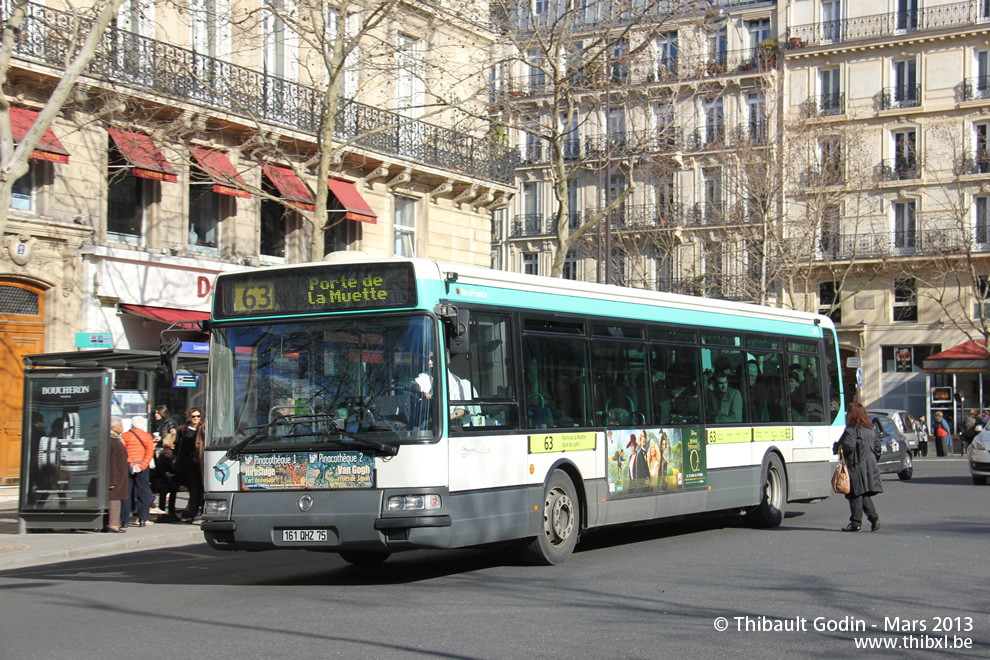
x: 22, y: 332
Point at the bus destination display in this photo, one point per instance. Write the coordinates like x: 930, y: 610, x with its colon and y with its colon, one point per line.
x: 324, y: 288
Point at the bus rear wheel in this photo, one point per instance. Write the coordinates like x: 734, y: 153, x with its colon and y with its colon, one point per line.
x: 364, y: 558
x: 773, y: 495
x: 561, y: 523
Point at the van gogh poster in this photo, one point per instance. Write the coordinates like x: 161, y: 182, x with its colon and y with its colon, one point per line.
x: 655, y: 460
x: 330, y: 470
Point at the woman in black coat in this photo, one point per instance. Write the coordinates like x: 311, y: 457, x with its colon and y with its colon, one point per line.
x: 861, y: 448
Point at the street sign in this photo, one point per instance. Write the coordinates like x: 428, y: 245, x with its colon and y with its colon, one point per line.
x: 854, y: 362
x: 94, y: 340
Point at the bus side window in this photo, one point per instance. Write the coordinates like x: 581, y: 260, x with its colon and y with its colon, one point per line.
x: 554, y: 372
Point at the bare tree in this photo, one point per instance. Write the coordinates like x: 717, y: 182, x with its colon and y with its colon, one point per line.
x: 79, y: 46
x: 561, y: 59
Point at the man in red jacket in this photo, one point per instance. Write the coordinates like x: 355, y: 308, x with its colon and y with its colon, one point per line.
x: 140, y: 452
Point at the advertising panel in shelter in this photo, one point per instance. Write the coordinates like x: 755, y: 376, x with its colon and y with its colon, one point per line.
x: 66, y: 429
x: 655, y: 460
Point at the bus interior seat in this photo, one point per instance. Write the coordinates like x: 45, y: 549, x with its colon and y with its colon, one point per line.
x: 539, y: 416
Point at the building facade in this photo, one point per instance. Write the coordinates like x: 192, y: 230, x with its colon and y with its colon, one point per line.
x: 190, y: 148
x: 820, y: 155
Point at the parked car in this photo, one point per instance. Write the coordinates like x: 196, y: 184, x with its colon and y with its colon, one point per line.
x: 895, y: 456
x: 979, y: 458
x: 902, y: 420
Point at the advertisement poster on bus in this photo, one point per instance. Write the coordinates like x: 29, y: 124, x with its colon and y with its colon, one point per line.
x: 331, y: 470
x: 66, y: 419
x: 655, y: 460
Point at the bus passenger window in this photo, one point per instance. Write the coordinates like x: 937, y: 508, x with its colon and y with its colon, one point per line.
x: 555, y: 374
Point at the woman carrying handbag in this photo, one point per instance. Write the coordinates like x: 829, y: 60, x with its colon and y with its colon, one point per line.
x: 860, y: 448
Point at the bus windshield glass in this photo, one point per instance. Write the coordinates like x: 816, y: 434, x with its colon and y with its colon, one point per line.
x: 325, y: 381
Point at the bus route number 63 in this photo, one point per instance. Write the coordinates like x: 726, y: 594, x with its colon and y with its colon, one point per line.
x: 253, y: 297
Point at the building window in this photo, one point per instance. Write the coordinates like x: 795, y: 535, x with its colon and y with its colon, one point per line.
x: 905, y: 163
x: 906, y: 83
x: 712, y: 195
x: 830, y: 242
x: 905, y: 299
x: 619, y: 275
x: 573, y: 210
x: 907, y: 15
x: 714, y: 123
x: 616, y: 128
x: 829, y: 302
x: 23, y: 192
x: 982, y: 155
x: 906, y: 358
x: 126, y: 199
x: 530, y: 263
x: 204, y: 213
x: 570, y: 266
x: 983, y: 66
x: 830, y: 160
x: 981, y: 224
x: 718, y: 51
x: 905, y: 225
x: 532, y: 220
x: 666, y: 53
x: 981, y: 310
x: 830, y: 84
x: 274, y: 219
x: 535, y: 65
x: 405, y: 227
x: 759, y: 31
x: 619, y: 66
x: 831, y: 21
x: 757, y: 119
x: 617, y: 184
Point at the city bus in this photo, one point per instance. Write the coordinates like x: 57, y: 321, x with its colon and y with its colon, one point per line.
x: 367, y: 406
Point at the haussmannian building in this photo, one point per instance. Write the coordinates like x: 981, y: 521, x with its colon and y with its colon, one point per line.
x: 188, y: 149
x: 822, y: 155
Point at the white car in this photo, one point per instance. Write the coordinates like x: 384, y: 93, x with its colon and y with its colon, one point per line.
x: 902, y: 421
x: 979, y: 458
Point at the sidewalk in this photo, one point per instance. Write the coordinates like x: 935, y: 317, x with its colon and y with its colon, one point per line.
x: 23, y: 550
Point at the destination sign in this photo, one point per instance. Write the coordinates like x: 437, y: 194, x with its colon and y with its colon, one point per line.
x: 315, y: 289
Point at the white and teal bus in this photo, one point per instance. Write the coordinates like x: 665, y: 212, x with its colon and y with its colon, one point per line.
x: 370, y: 406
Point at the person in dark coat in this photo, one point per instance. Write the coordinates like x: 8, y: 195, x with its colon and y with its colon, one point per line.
x: 119, y: 480
x: 860, y: 447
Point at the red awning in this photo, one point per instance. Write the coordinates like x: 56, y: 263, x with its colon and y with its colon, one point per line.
x: 142, y: 153
x: 218, y: 166
x: 968, y: 357
x: 293, y: 190
x: 164, y: 314
x: 49, y: 148
x: 351, y: 200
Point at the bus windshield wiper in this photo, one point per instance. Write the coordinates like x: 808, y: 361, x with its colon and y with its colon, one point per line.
x: 262, y: 432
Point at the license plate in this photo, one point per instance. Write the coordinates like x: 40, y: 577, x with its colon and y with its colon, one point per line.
x: 304, y: 535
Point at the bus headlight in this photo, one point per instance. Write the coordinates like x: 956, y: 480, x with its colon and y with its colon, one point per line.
x: 413, y: 502
x: 216, y: 508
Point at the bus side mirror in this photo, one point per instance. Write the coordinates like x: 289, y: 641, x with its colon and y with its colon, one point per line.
x: 170, y: 355
x: 460, y: 335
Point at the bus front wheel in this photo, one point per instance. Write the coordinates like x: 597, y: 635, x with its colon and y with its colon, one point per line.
x: 561, y: 523
x: 773, y: 495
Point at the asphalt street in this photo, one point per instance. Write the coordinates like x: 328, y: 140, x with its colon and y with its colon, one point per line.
x: 705, y: 587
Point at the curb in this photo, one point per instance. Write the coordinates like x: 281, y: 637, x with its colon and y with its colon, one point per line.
x: 16, y: 554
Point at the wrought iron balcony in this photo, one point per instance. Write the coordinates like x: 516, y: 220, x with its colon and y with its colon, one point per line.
x: 900, y: 97
x: 711, y: 137
x: 887, y: 25
x: 530, y: 224
x: 899, y: 169
x: 976, y: 89
x: 184, y: 75
x: 653, y: 216
x: 707, y: 213
x: 825, y: 175
x: 826, y: 105
x: 978, y: 163
x: 898, y: 244
x: 715, y: 285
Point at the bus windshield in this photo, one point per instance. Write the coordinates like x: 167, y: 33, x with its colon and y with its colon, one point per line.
x: 324, y: 381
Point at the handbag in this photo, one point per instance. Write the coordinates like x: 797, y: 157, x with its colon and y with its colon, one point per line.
x: 840, y: 478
